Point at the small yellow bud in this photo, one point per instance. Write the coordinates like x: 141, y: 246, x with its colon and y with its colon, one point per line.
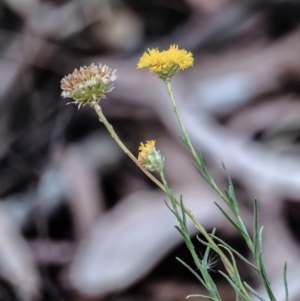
x: 150, y: 157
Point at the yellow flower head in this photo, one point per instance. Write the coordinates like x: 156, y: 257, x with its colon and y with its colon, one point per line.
x: 150, y: 157
x: 167, y: 62
x: 88, y: 84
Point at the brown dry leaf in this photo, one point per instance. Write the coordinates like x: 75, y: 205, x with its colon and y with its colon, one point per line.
x: 17, y: 265
x: 80, y: 164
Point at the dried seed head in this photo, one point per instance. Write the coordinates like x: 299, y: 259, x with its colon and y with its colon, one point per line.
x: 88, y: 84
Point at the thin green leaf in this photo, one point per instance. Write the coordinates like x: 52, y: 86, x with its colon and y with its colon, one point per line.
x: 175, y: 210
x: 265, y: 278
x: 235, y: 252
x: 201, y: 163
x: 169, y: 207
x: 182, y: 211
x: 207, y: 244
x: 231, y: 192
x: 236, y: 272
x: 254, y: 292
x: 201, y: 172
x: 255, y: 231
x: 208, y: 248
x: 202, y: 296
x: 236, y: 226
x: 192, y: 271
x: 186, y: 238
x: 228, y: 203
x: 262, y: 267
x: 199, y: 157
x: 184, y: 140
x: 236, y: 289
x: 259, y: 240
x: 285, y: 282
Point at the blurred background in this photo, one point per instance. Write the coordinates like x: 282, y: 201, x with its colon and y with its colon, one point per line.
x: 78, y: 220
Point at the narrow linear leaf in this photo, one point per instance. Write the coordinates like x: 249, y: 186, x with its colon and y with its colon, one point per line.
x: 182, y: 212
x: 199, y: 157
x: 169, y: 207
x: 192, y: 271
x: 202, y: 165
x: 236, y: 273
x: 236, y: 289
x: 259, y: 241
x: 235, y: 252
x: 265, y: 278
x: 207, y: 244
x: 285, y: 282
x: 228, y: 201
x: 236, y: 226
x: 254, y: 292
x: 202, y: 296
x: 208, y: 248
x: 255, y: 231
x: 231, y: 192
x: 186, y: 238
x: 201, y: 172
x: 174, y: 210
x: 183, y: 140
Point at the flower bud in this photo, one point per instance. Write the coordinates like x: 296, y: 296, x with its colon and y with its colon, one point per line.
x: 150, y: 157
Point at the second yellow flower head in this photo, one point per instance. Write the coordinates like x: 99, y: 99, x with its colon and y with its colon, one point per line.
x: 167, y: 62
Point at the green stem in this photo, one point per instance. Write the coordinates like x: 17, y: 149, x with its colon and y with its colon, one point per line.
x: 188, y: 141
x: 228, y: 265
x: 109, y: 127
x: 202, y: 230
